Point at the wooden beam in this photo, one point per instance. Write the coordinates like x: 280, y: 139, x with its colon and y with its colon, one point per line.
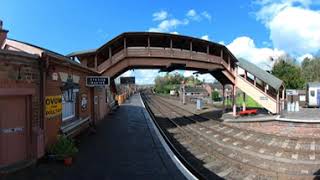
x: 125, y: 45
x: 221, y: 53
x: 149, y: 53
x: 208, y: 51
x: 110, y: 54
x: 191, y: 49
x: 96, y: 62
x: 171, y: 46
x: 229, y: 63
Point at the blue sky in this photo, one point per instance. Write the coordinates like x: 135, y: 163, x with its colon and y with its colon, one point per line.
x: 256, y: 30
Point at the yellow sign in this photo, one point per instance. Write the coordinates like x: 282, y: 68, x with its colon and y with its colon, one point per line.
x: 53, y: 106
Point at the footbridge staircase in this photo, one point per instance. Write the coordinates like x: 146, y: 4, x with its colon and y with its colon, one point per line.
x: 261, y: 86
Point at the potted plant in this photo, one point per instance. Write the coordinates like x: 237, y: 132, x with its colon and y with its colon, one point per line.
x: 64, y: 149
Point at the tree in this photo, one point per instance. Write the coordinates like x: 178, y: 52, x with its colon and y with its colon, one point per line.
x: 285, y: 69
x: 172, y: 82
x: 310, y: 69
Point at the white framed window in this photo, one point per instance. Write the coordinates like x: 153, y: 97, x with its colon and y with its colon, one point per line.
x: 68, y: 107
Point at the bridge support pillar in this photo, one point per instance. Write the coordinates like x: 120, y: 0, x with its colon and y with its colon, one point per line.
x: 234, y: 105
x: 244, y: 102
x: 223, y: 99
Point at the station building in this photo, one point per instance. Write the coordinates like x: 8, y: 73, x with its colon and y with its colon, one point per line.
x: 43, y: 94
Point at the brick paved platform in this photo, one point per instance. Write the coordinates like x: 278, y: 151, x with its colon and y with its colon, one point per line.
x: 124, y: 147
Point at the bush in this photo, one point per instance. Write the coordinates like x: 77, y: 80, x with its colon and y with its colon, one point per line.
x: 65, y: 147
x: 215, y: 96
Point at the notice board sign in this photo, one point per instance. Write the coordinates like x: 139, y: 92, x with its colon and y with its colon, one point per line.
x: 93, y: 81
x: 53, y: 106
x: 127, y: 80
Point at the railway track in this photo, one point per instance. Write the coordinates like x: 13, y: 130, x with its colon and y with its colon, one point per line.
x: 234, y: 153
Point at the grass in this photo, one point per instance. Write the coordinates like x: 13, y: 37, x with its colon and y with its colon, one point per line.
x: 249, y: 102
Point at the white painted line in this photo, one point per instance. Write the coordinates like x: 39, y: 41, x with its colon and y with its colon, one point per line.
x: 173, y: 157
x: 299, y: 120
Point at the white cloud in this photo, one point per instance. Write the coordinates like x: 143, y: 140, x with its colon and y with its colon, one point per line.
x: 206, y: 15
x: 168, y: 25
x: 244, y: 47
x: 174, y: 32
x: 192, y: 13
x: 301, y: 58
x: 159, y: 16
x: 205, y: 37
x: 206, y: 77
x: 141, y: 76
x: 293, y: 26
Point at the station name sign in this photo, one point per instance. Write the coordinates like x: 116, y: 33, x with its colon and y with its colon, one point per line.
x: 92, y: 81
x: 127, y: 80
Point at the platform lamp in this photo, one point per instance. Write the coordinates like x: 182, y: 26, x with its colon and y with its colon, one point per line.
x: 69, y: 86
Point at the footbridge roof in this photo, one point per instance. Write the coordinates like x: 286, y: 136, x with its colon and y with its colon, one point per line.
x: 261, y: 74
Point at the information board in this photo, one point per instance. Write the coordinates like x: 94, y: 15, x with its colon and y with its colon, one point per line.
x: 127, y: 80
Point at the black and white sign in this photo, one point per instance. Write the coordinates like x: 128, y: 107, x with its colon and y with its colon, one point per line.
x: 127, y: 80
x: 93, y: 81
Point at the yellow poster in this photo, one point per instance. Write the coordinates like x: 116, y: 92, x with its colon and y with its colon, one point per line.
x: 53, y: 106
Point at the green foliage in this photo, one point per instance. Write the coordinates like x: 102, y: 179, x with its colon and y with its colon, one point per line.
x: 291, y: 74
x: 250, y: 103
x: 215, y: 96
x: 63, y: 148
x: 169, y: 82
x: 310, y: 69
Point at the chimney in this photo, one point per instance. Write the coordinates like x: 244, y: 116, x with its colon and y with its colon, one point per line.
x: 3, y: 34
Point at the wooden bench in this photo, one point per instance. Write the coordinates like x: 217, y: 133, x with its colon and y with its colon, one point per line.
x: 76, y: 127
x: 248, y: 112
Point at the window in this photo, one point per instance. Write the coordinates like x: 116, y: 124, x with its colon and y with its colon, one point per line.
x: 68, y: 107
x: 312, y: 93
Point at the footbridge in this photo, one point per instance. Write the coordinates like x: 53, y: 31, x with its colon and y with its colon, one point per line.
x: 168, y: 52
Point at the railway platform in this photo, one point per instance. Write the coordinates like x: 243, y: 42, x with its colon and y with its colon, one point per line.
x: 125, y: 146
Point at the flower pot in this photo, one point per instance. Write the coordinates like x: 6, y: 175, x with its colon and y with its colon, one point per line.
x: 68, y: 161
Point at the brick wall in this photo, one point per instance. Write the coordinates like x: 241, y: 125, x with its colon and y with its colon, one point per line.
x: 22, y: 72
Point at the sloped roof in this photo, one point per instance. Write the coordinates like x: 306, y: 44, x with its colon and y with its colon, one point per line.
x: 313, y: 84
x: 77, y: 53
x: 261, y: 74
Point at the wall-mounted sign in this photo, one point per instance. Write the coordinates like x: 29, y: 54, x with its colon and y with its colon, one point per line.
x: 127, y: 80
x: 84, y: 102
x: 53, y: 106
x: 55, y: 76
x: 93, y: 81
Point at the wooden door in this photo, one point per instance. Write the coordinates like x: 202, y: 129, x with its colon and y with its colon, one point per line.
x: 13, y: 129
